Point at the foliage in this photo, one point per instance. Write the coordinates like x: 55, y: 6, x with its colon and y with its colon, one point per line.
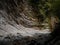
x: 56, y: 8
x: 41, y: 7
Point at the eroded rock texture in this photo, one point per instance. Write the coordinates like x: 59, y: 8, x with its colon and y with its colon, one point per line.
x: 14, y: 14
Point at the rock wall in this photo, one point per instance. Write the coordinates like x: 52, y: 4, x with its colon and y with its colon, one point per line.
x: 14, y: 14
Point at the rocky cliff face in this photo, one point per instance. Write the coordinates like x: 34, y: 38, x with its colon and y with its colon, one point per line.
x: 18, y: 12
x: 15, y: 17
x: 14, y: 14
